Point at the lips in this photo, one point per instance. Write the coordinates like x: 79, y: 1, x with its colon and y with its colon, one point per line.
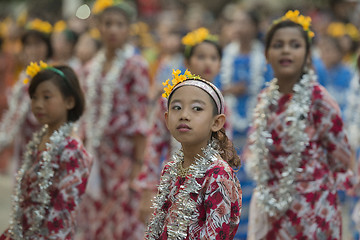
x: 183, y: 128
x: 285, y: 62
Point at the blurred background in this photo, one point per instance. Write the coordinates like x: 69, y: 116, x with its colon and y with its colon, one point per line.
x: 153, y: 34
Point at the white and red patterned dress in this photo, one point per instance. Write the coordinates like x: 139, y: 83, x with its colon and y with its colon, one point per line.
x: 218, y: 202
x: 314, y: 213
x: 114, y: 214
x: 71, y: 170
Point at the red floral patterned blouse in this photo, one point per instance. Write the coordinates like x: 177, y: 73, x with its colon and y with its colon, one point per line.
x: 314, y: 213
x: 218, y: 203
x: 71, y: 171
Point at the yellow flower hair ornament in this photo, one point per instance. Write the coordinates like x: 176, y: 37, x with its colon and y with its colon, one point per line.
x: 177, y: 78
x: 339, y: 29
x: 60, y: 26
x: 195, y: 37
x: 34, y: 68
x: 40, y: 26
x: 296, y: 17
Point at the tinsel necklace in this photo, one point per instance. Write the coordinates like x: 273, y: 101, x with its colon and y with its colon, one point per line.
x: 95, y: 129
x: 296, y: 120
x: 187, y: 211
x: 19, y: 106
x: 44, y: 180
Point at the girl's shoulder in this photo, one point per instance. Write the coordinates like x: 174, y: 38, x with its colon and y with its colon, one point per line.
x: 219, y: 168
x: 322, y: 99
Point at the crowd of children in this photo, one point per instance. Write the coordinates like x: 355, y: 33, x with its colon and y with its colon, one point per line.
x: 245, y: 128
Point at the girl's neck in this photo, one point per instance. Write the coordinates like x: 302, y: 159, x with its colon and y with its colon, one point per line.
x: 286, y: 84
x: 53, y: 128
x: 110, y: 52
x: 190, y: 153
x: 245, y: 46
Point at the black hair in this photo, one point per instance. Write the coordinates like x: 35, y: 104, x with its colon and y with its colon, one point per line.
x: 68, y: 86
x: 190, y: 51
x: 284, y: 24
x: 71, y: 36
x: 123, y: 8
x: 41, y: 36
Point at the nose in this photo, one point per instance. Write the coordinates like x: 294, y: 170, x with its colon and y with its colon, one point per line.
x: 184, y: 115
x: 36, y: 103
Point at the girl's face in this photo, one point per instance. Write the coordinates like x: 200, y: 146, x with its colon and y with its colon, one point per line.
x: 205, y: 61
x: 114, y: 29
x: 34, y: 50
x: 286, y: 52
x: 330, y: 54
x: 85, y: 48
x: 49, y: 106
x: 62, y: 47
x: 190, y: 118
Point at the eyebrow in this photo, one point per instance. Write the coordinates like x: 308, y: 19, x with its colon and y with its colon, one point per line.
x: 193, y: 101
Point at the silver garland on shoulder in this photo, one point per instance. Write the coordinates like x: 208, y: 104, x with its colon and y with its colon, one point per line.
x: 43, y: 181
x: 275, y: 203
x: 186, y: 212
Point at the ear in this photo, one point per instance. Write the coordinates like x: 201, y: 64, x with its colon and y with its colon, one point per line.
x: 70, y: 103
x: 167, y: 119
x: 218, y: 122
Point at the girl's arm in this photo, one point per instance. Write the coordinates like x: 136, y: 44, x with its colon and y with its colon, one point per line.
x: 222, y: 204
x: 74, y: 169
x: 334, y: 139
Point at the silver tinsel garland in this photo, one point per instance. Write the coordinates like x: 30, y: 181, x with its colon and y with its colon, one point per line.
x: 296, y: 120
x: 187, y: 212
x: 43, y: 181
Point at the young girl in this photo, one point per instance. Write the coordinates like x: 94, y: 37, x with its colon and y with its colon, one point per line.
x: 56, y: 166
x: 115, y: 129
x: 18, y: 123
x: 199, y: 196
x: 300, y: 153
x: 202, y: 57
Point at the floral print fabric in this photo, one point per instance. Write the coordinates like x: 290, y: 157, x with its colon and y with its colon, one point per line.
x: 314, y: 213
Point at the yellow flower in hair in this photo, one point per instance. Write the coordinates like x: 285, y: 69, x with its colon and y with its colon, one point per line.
x: 197, y: 36
x: 353, y: 32
x: 33, y: 69
x: 60, y: 26
x: 39, y: 25
x: 100, y: 5
x: 336, y: 29
x: 296, y: 17
x: 177, y: 78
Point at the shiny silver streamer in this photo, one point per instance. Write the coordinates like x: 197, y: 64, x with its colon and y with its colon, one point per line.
x: 275, y: 203
x: 187, y: 212
x: 44, y: 181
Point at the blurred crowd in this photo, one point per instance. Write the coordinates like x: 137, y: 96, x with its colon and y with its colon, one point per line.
x: 157, y: 32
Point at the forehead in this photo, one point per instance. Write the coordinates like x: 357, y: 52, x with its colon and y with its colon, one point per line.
x: 47, y: 85
x: 206, y: 48
x: 113, y: 15
x: 288, y: 34
x: 190, y: 93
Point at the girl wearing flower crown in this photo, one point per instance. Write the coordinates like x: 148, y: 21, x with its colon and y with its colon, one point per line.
x: 115, y: 127
x: 202, y: 57
x: 56, y: 166
x: 298, y: 153
x: 199, y: 196
x: 18, y: 124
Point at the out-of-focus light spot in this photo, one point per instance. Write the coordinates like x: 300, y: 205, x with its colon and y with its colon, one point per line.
x: 83, y: 12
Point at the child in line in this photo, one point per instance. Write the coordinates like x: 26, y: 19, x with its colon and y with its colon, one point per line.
x: 199, y: 196
x: 116, y: 86
x: 56, y: 166
x: 18, y: 124
x: 202, y: 57
x: 299, y: 153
